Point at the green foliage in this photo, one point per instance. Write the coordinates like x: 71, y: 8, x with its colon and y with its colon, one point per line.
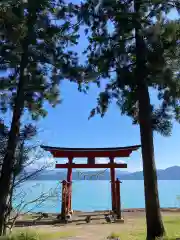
x: 49, y: 60
x: 112, y: 53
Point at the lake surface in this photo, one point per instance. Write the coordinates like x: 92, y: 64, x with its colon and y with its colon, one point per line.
x: 91, y: 195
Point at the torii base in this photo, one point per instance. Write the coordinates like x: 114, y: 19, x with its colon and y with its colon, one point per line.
x: 121, y: 220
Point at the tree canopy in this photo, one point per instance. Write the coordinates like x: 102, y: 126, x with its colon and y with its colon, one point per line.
x: 49, y: 60
x: 112, y: 54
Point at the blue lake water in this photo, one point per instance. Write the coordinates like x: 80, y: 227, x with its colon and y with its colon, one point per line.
x: 93, y: 195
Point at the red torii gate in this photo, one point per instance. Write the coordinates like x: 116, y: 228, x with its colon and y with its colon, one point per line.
x: 90, y: 154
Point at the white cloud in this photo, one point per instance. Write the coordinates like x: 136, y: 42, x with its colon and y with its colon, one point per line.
x: 120, y: 161
x: 106, y: 160
x: 102, y: 160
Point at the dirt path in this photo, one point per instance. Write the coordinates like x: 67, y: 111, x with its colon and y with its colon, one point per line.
x: 99, y: 230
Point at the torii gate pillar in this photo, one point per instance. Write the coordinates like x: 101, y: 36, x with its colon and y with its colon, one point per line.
x: 69, y: 185
x: 113, y: 186
x: 118, y: 200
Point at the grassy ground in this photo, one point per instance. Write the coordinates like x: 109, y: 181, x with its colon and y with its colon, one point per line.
x: 138, y: 230
x: 133, y: 229
x: 32, y: 234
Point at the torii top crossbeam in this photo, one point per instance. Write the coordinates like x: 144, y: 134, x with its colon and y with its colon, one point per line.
x: 58, y: 152
x: 91, y: 153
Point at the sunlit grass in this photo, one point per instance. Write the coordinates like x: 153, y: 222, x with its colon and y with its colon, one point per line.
x: 27, y: 234
x: 138, y: 232
x: 55, y: 235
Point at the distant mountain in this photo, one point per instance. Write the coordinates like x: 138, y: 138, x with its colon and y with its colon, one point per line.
x: 171, y: 173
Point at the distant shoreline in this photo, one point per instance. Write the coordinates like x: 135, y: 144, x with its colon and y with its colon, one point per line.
x: 171, y: 173
x: 27, y: 219
x: 133, y: 210
x: 169, y: 209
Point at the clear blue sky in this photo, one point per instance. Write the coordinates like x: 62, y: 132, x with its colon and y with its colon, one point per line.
x: 67, y: 126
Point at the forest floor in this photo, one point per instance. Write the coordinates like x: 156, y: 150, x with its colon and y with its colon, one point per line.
x: 133, y: 228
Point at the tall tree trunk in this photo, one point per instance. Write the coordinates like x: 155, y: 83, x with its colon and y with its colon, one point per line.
x: 154, y: 222
x: 9, y: 208
x: 8, y: 162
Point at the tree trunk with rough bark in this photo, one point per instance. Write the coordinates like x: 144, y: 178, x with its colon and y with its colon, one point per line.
x: 154, y: 222
x: 8, y: 161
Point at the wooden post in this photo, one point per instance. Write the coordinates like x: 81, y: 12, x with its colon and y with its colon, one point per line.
x: 69, y: 186
x: 64, y: 200
x: 113, y: 187
x: 118, y: 199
